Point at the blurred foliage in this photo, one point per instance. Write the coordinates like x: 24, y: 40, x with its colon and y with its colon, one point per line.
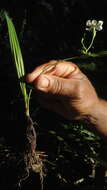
x: 74, y: 152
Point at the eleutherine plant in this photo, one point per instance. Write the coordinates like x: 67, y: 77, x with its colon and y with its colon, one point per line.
x: 32, y: 158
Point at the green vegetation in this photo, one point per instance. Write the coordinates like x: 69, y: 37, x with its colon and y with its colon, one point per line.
x: 18, y: 60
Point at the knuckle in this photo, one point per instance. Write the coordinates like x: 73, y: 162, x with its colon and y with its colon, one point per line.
x: 57, y: 87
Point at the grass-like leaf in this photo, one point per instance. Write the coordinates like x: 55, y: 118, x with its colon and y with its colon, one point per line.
x: 18, y: 59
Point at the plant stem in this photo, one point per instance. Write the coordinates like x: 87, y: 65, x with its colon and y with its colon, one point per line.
x: 92, y: 41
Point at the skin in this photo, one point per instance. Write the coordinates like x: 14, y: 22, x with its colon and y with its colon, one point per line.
x: 64, y: 89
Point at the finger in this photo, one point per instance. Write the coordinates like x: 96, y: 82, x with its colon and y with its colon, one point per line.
x: 61, y: 69
x: 37, y: 71
x: 54, y: 85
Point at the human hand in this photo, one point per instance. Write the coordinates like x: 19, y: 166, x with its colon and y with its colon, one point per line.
x: 64, y: 89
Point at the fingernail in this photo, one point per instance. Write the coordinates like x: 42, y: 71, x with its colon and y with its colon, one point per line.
x: 43, y: 82
x: 72, y: 68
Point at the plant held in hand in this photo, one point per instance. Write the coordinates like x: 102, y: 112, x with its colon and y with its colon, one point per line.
x: 32, y: 159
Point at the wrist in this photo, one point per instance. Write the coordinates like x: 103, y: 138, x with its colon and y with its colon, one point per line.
x: 97, y: 117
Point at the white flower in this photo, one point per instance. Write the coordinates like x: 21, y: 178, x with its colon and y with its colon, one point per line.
x: 98, y: 25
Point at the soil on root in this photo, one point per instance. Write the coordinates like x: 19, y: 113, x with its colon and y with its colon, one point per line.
x: 16, y: 167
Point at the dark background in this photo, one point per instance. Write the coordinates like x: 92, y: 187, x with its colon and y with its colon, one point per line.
x: 47, y: 30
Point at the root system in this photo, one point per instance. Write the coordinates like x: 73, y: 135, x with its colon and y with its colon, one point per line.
x: 21, y: 164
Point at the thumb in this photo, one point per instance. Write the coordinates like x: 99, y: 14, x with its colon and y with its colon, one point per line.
x: 53, y: 84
